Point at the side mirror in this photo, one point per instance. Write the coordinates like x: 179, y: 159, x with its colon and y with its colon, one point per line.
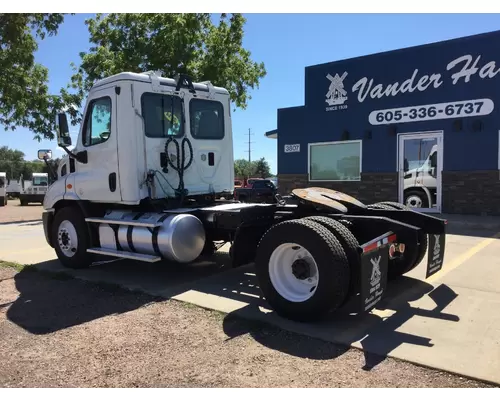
x: 63, y: 137
x: 406, y: 167
x: 44, y: 154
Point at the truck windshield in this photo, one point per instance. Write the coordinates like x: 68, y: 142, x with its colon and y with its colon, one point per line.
x: 163, y: 115
x: 39, y: 181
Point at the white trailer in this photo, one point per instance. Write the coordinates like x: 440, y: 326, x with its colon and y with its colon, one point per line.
x: 153, y: 157
x: 3, y: 189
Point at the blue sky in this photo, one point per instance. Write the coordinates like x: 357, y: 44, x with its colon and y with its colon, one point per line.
x: 286, y: 43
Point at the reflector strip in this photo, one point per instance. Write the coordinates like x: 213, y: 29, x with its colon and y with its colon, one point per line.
x: 379, y: 243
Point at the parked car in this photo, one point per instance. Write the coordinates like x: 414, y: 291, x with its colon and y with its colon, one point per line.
x: 262, y: 191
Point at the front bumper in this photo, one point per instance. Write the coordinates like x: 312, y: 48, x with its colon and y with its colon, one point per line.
x: 47, y: 219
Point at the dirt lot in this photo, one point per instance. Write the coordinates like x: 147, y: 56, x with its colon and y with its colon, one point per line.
x: 15, y: 213
x: 57, y: 331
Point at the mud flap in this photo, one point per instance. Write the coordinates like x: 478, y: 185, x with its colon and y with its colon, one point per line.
x: 373, y: 277
x: 435, y: 258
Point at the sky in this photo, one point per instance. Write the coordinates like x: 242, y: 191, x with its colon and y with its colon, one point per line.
x: 286, y: 43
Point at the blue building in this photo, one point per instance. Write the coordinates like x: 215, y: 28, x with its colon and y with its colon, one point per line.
x: 418, y: 125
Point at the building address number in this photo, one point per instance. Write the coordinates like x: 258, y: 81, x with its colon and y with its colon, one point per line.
x: 292, y: 148
x: 455, y: 109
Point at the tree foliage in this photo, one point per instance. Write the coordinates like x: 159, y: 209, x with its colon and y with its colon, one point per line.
x: 24, y: 95
x: 254, y: 169
x: 171, y: 44
x: 13, y: 163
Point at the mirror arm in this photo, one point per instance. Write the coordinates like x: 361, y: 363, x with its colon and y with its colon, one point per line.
x: 81, y: 156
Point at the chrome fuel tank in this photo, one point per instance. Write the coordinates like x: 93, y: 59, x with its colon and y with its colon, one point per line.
x: 179, y: 237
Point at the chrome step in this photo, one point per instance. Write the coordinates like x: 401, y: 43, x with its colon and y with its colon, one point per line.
x: 124, y: 222
x: 124, y: 254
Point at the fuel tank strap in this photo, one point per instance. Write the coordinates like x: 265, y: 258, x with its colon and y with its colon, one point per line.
x: 155, y: 234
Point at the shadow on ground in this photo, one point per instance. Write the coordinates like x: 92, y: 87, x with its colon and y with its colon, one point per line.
x: 52, y: 301
x: 376, y: 335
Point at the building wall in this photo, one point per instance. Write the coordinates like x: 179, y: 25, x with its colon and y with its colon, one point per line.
x: 458, y: 70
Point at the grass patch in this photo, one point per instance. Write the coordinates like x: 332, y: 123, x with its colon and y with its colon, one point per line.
x: 9, y: 264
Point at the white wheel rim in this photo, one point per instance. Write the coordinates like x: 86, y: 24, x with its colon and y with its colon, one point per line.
x: 67, y: 238
x: 283, y: 268
x: 414, y: 201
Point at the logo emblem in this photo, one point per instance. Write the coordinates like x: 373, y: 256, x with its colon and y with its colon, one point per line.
x: 437, y: 246
x: 336, y: 95
x: 376, y: 273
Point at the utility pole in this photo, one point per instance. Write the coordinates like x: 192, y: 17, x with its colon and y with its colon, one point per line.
x: 249, y: 147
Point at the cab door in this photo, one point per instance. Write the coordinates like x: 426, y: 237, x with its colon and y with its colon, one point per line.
x: 98, y: 180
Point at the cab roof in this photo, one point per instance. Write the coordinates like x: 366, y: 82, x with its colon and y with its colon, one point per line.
x: 145, y: 77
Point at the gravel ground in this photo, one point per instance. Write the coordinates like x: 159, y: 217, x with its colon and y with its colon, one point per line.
x: 59, y: 332
x: 15, y: 213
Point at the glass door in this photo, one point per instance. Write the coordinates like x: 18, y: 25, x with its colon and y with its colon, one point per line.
x: 420, y: 165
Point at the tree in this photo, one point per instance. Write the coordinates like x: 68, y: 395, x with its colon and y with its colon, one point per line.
x: 25, y: 100
x: 262, y: 168
x: 13, y: 163
x: 243, y: 168
x: 171, y: 44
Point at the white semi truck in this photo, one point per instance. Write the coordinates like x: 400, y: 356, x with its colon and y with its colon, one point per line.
x: 420, y: 183
x: 34, y: 191
x: 3, y: 189
x: 144, y: 180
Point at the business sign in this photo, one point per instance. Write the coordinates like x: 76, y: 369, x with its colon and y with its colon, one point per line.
x: 462, y: 70
x: 292, y: 148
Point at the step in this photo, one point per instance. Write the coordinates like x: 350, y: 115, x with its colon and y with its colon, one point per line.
x: 124, y: 254
x: 124, y: 222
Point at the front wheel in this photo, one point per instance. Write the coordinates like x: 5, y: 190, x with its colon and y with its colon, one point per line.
x: 302, y: 270
x: 71, y: 239
x: 416, y: 199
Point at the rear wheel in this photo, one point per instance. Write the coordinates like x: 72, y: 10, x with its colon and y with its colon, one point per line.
x: 71, y: 239
x: 414, y: 251
x: 348, y: 242
x: 302, y: 270
x: 3, y: 201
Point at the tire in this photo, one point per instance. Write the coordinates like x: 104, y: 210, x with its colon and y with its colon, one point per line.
x: 293, y: 293
x: 349, y: 243
x: 414, y: 252
x: 3, y: 201
x: 69, y: 223
x: 416, y: 196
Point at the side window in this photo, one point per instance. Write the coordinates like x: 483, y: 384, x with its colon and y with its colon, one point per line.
x: 97, y: 122
x: 163, y: 115
x: 207, y: 119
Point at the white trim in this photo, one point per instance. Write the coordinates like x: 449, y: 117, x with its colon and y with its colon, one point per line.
x: 309, y: 145
x: 439, y: 135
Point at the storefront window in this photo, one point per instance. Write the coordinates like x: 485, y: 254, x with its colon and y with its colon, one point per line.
x: 335, y: 161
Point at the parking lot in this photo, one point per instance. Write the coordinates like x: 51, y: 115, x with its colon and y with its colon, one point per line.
x: 448, y: 322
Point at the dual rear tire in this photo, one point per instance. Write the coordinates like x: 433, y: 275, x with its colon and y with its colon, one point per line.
x: 304, y: 267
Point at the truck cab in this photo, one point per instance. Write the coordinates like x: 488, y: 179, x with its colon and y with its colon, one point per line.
x: 152, y: 138
x: 35, y: 191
